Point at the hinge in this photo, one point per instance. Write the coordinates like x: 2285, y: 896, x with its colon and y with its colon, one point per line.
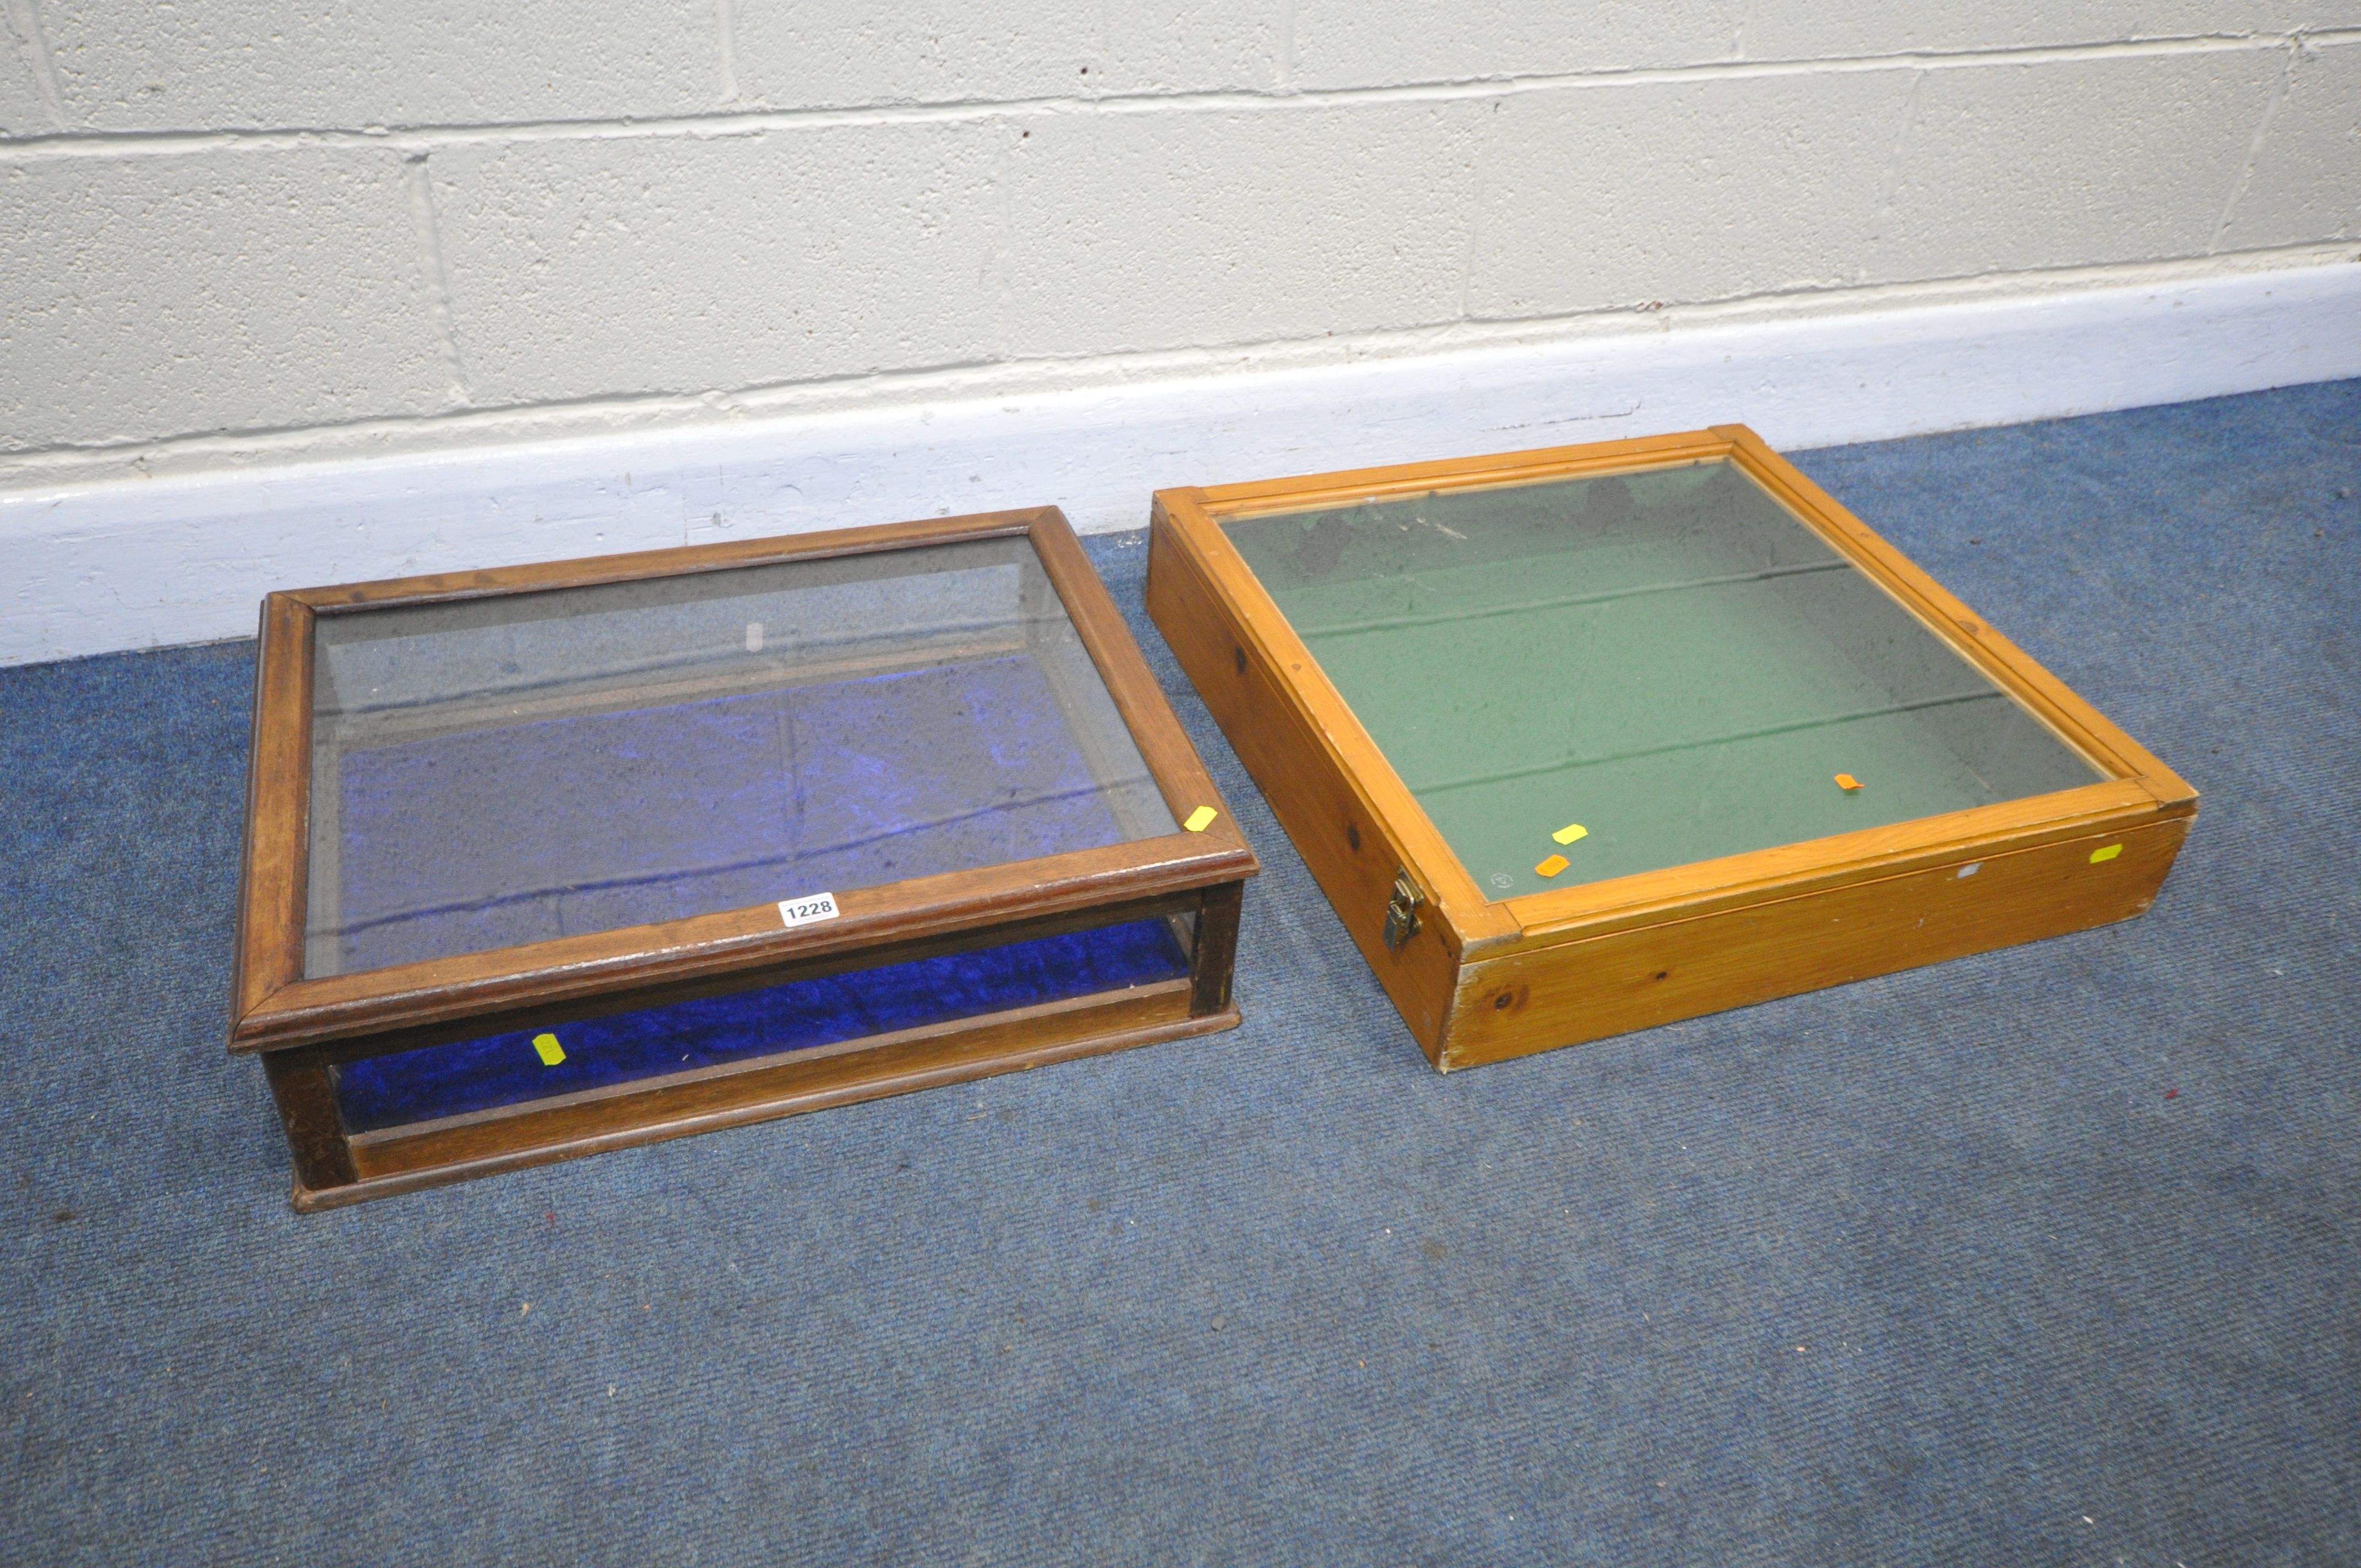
x: 1402, y: 911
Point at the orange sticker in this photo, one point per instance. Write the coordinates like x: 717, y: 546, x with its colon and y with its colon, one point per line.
x: 1552, y: 866
x: 1847, y: 782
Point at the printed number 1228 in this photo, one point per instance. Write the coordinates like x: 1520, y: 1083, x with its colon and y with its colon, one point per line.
x: 804, y: 911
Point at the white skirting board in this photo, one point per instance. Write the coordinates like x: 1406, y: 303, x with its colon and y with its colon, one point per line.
x: 137, y: 564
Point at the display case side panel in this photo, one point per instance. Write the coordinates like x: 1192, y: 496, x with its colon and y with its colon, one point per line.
x: 1005, y: 1043
x: 1214, y: 948
x: 306, y: 1098
x: 273, y: 866
x: 957, y: 906
x: 2017, y: 672
x: 1345, y: 487
x: 1701, y: 887
x: 1259, y: 634
x: 1179, y: 772
x: 1082, y: 697
x: 680, y: 560
x: 1352, y: 852
x: 1541, y: 999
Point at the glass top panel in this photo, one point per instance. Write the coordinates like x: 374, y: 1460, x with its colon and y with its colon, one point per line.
x: 1670, y: 660
x: 501, y: 771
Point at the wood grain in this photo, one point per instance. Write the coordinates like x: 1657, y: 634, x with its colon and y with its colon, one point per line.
x: 306, y: 1098
x: 918, y: 1059
x: 1571, y: 914
x: 1576, y: 962
x: 1538, y: 999
x: 1260, y: 636
x: 1353, y: 849
x: 276, y: 1009
x: 1212, y: 954
x: 275, y: 859
x: 607, y: 1002
x: 438, y: 588
x: 706, y: 1084
x: 992, y: 903
x: 1179, y: 772
x: 1351, y: 487
x: 305, y: 1027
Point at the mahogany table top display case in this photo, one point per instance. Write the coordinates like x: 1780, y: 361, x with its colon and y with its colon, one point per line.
x: 1583, y: 741
x: 550, y: 859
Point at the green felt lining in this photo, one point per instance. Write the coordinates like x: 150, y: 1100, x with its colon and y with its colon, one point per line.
x: 1669, y: 659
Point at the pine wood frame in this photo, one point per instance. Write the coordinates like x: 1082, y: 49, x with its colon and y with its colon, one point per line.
x: 301, y: 1028
x: 1482, y: 980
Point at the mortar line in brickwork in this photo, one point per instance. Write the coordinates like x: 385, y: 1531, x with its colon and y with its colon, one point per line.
x: 27, y: 476
x: 754, y: 122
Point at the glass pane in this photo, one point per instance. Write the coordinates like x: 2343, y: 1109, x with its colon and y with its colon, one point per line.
x: 1670, y: 660
x: 507, y: 770
x: 686, y: 1037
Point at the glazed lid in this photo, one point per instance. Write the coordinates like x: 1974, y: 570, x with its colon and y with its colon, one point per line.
x: 678, y: 761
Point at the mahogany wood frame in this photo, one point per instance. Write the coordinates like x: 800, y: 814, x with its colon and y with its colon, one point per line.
x: 1480, y: 979
x: 303, y: 1027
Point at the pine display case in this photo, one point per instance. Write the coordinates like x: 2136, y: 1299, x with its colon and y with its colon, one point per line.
x: 1583, y: 741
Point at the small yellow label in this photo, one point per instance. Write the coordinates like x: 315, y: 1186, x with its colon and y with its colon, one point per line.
x: 2109, y: 853
x: 1570, y: 832
x: 1201, y: 819
x: 1847, y: 782
x: 1552, y: 866
x: 550, y: 1051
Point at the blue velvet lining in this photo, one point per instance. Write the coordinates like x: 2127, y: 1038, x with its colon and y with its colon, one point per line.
x: 505, y: 1070
x: 495, y: 838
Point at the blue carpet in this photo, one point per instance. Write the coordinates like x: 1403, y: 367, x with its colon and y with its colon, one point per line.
x: 1938, y: 1269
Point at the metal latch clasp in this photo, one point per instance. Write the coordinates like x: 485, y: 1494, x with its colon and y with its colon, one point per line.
x: 1401, y: 912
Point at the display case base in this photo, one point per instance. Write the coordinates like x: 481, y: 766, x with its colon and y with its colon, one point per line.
x: 764, y: 1090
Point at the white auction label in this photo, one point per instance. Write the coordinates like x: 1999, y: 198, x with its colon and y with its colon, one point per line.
x: 804, y: 911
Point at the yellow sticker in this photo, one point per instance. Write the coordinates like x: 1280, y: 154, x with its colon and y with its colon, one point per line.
x: 1847, y: 782
x: 2109, y: 853
x: 551, y: 1052
x: 1201, y: 819
x: 1552, y: 866
x: 1570, y: 832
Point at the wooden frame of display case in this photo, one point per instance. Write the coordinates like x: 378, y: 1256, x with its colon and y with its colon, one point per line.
x: 303, y: 1028
x: 1479, y: 979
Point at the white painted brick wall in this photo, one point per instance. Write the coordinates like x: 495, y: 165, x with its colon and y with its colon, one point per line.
x: 135, y: 65
x: 22, y: 111
x: 1757, y: 186
x: 1145, y: 232
x: 232, y: 230
x: 2304, y: 177
x: 1347, y: 43
x: 804, y: 54
x: 2007, y: 167
x: 226, y: 289
x: 680, y: 264
x: 1859, y: 27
